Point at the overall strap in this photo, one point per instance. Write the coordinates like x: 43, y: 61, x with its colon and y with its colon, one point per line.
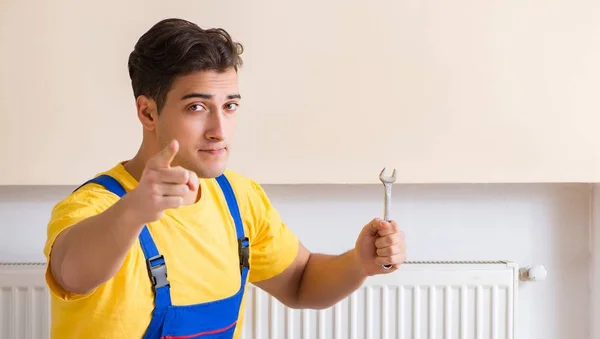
x: 243, y: 241
x: 108, y: 182
x: 155, y: 263
x: 157, y: 271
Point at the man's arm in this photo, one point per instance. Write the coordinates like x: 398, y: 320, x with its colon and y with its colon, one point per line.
x: 316, y: 281
x: 92, y: 251
x: 320, y: 281
x: 285, y: 269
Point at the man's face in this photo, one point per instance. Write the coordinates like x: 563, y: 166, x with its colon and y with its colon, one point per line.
x: 200, y: 111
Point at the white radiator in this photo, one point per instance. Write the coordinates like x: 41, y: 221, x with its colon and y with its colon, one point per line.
x: 24, y: 302
x: 423, y: 300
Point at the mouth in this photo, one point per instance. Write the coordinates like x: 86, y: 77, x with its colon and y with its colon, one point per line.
x: 213, y: 151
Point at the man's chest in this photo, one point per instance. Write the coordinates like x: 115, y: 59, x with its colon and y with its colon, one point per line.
x: 201, y: 257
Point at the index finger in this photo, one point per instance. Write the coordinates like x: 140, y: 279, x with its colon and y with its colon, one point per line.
x: 164, y: 158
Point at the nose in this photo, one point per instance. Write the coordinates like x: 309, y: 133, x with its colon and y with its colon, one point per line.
x: 215, y: 130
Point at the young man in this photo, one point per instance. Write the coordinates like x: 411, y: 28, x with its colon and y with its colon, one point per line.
x: 162, y: 245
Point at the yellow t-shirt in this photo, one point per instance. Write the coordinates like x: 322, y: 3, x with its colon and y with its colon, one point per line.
x: 198, y: 242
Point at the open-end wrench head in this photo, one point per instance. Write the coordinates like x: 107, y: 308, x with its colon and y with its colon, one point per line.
x: 387, y: 179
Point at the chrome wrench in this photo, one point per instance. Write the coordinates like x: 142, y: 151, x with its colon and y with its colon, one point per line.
x: 387, y: 181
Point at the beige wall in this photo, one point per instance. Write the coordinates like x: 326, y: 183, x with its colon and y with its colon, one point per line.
x: 445, y: 91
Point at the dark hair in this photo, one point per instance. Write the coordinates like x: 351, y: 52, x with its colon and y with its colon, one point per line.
x: 175, y: 47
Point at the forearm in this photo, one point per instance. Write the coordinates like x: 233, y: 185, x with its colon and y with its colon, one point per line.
x: 328, y: 279
x: 91, y: 252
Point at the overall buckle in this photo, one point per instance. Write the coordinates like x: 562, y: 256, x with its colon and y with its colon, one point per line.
x: 244, y: 252
x: 157, y: 270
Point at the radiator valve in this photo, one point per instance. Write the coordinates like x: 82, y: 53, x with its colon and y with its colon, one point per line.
x: 533, y: 273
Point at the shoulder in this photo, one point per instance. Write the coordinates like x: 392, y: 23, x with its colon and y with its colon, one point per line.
x: 239, y: 180
x: 91, y: 196
x: 251, y: 197
x: 274, y: 246
x: 243, y: 186
x: 86, y: 200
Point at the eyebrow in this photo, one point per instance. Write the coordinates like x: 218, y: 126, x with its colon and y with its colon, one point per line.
x: 208, y: 96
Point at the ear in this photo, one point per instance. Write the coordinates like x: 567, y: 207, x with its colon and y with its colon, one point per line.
x: 147, y: 112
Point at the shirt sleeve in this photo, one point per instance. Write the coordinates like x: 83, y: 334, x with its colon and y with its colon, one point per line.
x: 274, y: 246
x: 86, y: 202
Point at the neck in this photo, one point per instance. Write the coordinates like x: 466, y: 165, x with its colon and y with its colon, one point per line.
x: 135, y: 166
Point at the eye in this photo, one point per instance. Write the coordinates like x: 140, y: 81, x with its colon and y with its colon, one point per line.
x: 232, y: 106
x: 196, y: 108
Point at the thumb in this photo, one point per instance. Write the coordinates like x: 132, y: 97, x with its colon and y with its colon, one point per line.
x: 380, y: 226
x: 164, y: 158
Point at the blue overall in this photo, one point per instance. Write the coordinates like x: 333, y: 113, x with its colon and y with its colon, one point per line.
x: 215, y: 319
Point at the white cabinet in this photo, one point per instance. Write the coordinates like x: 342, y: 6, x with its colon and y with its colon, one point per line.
x: 333, y: 91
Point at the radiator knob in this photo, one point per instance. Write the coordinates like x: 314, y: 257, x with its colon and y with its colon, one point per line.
x: 533, y: 273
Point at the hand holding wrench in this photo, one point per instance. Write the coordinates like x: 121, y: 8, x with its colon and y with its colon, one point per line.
x: 387, y: 198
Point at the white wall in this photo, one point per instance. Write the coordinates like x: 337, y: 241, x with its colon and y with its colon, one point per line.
x: 528, y: 224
